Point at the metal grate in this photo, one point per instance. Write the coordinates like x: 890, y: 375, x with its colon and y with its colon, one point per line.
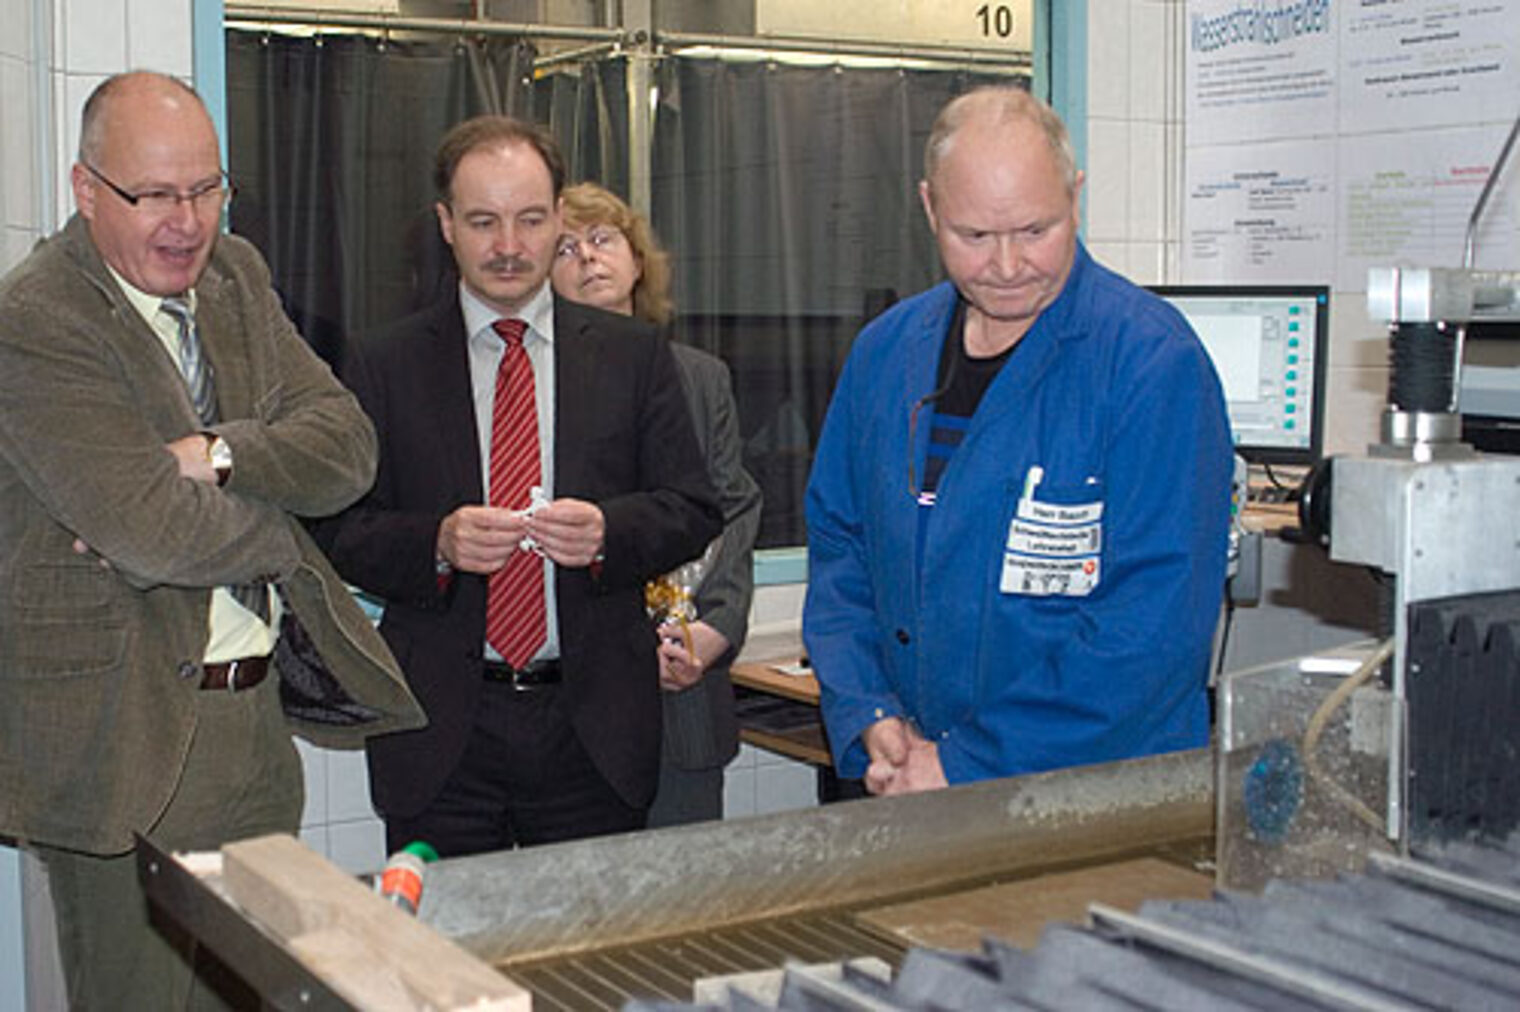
x: 666, y: 968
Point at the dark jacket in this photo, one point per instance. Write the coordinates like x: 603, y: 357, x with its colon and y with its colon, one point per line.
x: 623, y: 440
x: 701, y: 730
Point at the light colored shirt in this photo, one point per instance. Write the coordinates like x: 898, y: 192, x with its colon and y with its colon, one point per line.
x: 486, y: 349
x: 234, y: 630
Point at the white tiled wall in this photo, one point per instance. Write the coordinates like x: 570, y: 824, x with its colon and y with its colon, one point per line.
x: 1134, y: 132
x: 18, y: 132
x: 158, y: 33
x: 338, y: 820
x: 759, y: 782
x: 52, y: 53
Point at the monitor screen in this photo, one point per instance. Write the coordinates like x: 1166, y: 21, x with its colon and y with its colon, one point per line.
x: 1270, y: 347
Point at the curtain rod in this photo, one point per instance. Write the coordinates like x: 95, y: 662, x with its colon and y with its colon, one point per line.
x: 252, y: 14
x: 804, y: 44
x: 547, y: 60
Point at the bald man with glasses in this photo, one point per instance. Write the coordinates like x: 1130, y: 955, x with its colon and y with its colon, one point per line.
x: 166, y: 621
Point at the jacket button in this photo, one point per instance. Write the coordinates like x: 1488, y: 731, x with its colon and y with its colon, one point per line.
x: 903, y: 637
x: 187, y: 669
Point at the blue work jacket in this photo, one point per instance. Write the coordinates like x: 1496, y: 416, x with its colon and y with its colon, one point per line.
x: 1056, y: 605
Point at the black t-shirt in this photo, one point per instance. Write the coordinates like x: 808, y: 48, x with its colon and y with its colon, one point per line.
x: 963, y: 380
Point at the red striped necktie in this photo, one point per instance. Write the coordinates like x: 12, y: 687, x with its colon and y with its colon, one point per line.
x: 515, y: 619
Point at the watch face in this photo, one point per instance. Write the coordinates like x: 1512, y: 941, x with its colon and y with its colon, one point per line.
x: 221, y: 459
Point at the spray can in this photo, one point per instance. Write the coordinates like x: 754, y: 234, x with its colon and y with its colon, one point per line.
x: 401, y: 881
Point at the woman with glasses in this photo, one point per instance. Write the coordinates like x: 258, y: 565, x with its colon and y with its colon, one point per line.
x: 607, y: 257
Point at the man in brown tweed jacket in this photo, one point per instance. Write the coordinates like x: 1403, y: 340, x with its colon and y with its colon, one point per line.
x: 153, y: 572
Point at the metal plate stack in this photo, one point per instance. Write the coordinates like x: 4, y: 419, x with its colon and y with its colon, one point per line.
x: 1464, y: 708
x: 1438, y: 931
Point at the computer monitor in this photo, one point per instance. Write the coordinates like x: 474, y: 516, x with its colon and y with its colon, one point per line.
x: 1269, y: 344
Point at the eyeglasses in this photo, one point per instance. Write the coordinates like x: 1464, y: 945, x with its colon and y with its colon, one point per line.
x: 920, y: 495
x: 160, y: 202
x: 599, y: 238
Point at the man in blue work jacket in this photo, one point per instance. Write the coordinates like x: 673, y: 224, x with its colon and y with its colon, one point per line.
x: 1017, y: 514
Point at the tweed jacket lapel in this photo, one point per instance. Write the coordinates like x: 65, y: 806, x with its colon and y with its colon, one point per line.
x: 218, y: 326
x: 154, y: 374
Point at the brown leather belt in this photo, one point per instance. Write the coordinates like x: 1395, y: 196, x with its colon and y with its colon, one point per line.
x: 235, y: 676
x: 533, y: 675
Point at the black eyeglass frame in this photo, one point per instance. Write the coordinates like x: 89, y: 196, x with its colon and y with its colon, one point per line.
x: 223, y: 186
x: 919, y: 495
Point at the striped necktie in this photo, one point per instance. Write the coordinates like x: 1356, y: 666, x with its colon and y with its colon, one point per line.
x: 197, y: 373
x: 515, y: 609
x: 192, y: 363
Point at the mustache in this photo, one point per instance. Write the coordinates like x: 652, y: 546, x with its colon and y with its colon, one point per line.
x: 507, y: 263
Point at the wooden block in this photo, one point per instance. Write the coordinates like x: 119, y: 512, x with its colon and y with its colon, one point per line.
x: 336, y: 956
x: 356, y: 942
x: 1017, y: 912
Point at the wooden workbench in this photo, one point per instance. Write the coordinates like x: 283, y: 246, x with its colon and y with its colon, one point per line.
x: 780, y: 711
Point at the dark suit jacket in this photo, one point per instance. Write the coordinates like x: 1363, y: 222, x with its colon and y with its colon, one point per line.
x: 623, y: 440
x: 701, y: 730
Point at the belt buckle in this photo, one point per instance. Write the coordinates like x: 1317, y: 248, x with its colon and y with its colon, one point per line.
x: 232, y: 675
x: 519, y: 684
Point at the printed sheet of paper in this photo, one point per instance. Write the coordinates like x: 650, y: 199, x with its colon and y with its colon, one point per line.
x: 1408, y: 204
x: 1407, y: 64
x: 1260, y: 211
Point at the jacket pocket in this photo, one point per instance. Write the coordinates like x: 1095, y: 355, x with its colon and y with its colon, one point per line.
x: 61, y: 589
x: 58, y: 648
x: 63, y: 617
x: 1053, y: 544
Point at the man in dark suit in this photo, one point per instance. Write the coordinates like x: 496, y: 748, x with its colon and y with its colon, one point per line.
x: 162, y: 429
x: 554, y: 735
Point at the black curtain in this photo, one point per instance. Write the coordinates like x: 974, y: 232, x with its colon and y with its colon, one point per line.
x: 787, y: 196
x: 586, y: 109
x: 330, y: 143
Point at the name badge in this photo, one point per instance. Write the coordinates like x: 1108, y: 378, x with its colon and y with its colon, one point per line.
x: 1037, y: 577
x: 1050, y: 513
x: 1052, y: 549
x: 1054, y: 542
